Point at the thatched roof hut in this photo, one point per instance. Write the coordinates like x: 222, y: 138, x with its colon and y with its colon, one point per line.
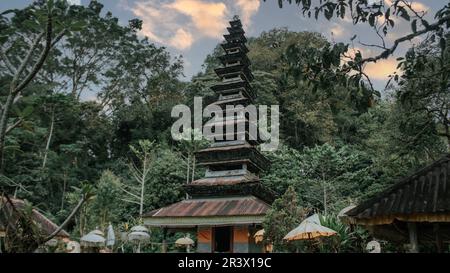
x: 417, y: 208
x: 46, y: 225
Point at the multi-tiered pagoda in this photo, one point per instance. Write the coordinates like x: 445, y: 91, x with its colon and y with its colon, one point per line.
x: 227, y: 206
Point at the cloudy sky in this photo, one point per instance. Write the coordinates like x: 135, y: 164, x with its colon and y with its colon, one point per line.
x: 192, y: 28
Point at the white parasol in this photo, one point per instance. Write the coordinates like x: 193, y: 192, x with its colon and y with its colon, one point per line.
x: 185, y: 241
x: 93, y: 238
x: 139, y: 228
x: 73, y: 247
x: 310, y: 228
x: 138, y: 235
x: 259, y: 236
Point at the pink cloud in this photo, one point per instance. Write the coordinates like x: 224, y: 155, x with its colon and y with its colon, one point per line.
x: 181, y: 23
x: 208, y: 19
x: 182, y: 39
x: 247, y: 9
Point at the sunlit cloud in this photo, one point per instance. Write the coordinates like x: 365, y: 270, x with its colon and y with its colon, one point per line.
x: 74, y: 2
x: 152, y: 15
x: 381, y: 69
x: 376, y: 71
x: 247, y: 8
x: 337, y: 30
x: 365, y: 52
x: 182, y: 39
x: 181, y: 23
x: 416, y: 5
x: 208, y: 19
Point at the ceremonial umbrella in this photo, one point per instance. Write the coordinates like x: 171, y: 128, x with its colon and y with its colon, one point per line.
x: 73, y: 247
x: 310, y: 228
x: 139, y: 228
x: 93, y: 239
x: 259, y: 236
x: 373, y: 247
x: 98, y: 232
x: 185, y: 241
x: 137, y: 235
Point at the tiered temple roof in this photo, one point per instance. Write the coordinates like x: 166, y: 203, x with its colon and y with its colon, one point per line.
x: 235, y: 159
x: 231, y: 191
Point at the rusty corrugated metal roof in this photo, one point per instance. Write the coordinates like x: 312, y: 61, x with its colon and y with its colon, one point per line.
x: 426, y: 192
x: 230, y: 206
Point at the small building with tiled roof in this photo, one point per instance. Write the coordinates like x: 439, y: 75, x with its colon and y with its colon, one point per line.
x: 414, y: 210
x: 244, y: 210
x: 46, y: 226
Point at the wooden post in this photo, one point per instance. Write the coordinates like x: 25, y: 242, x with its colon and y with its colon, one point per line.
x: 437, y: 232
x: 414, y: 243
x: 164, y: 242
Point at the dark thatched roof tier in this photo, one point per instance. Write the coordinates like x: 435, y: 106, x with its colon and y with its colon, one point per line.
x: 231, y: 187
x: 227, y: 155
x: 423, y: 196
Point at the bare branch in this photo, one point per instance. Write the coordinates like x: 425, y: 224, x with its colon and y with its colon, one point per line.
x: 58, y: 37
x: 12, y: 183
x: 373, y: 45
x: 27, y: 59
x: 385, y: 54
x: 7, y: 62
x: 37, y: 66
x: 71, y: 215
x: 13, y: 126
x: 130, y: 201
x: 130, y: 193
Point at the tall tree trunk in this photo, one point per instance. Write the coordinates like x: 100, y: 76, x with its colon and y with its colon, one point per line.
x: 187, y: 172
x: 18, y: 85
x: 64, y: 189
x: 144, y: 177
x: 188, y: 168
x: 447, y: 133
x: 324, y: 199
x: 49, y: 139
x: 3, y: 125
x: 81, y: 224
x: 193, y: 169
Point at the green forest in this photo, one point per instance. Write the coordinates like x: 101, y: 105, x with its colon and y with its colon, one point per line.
x: 341, y: 141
